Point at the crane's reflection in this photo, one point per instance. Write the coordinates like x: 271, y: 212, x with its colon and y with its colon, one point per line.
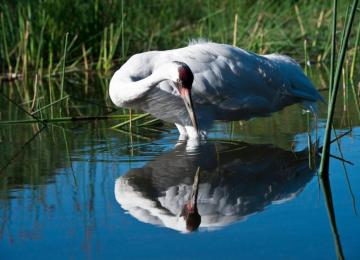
x: 236, y: 180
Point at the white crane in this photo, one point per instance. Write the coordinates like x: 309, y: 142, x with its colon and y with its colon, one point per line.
x: 203, y: 82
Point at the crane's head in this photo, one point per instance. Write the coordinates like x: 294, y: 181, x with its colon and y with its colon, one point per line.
x: 184, y: 83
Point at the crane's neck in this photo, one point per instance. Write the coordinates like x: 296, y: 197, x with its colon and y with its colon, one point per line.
x: 123, y: 91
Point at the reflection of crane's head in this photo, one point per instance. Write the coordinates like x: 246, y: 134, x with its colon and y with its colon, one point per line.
x: 191, y: 216
x: 190, y: 212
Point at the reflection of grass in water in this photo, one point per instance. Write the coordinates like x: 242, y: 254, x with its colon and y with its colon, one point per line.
x: 78, y: 151
x: 36, y: 167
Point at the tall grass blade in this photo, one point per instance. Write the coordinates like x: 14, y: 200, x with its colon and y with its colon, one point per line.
x: 333, y: 50
x: 324, y: 164
x: 5, y: 50
x: 130, y: 121
x: 235, y: 30
x: 49, y: 105
x: 63, y: 70
x: 40, y: 45
x: 356, y: 99
x: 63, y: 119
x: 150, y: 122
x: 131, y: 134
x: 353, y: 64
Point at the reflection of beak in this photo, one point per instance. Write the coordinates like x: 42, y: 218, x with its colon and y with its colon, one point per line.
x: 195, y: 189
x: 190, y: 211
x: 186, y: 96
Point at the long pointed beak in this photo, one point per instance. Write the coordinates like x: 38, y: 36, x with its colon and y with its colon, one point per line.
x: 186, y: 96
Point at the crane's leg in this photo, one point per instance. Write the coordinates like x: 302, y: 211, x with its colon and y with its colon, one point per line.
x: 182, y: 132
x: 191, y: 132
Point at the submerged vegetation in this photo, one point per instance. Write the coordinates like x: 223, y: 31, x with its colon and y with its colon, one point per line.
x: 53, y: 53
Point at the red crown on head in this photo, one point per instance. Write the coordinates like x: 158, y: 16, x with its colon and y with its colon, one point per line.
x: 185, y: 75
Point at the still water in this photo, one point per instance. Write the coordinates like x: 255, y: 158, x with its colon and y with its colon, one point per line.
x: 83, y: 190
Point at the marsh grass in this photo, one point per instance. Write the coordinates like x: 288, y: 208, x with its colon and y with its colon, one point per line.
x: 109, y: 32
x: 334, y: 82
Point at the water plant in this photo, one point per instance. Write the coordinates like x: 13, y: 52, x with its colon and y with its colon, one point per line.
x: 334, y: 82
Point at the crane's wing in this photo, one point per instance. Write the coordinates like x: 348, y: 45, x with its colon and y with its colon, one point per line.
x: 232, y: 79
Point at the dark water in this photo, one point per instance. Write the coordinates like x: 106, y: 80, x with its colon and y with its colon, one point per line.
x: 82, y: 190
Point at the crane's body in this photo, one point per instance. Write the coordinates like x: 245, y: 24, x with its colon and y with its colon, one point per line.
x: 229, y: 84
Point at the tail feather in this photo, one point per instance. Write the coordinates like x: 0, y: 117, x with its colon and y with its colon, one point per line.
x: 300, y: 85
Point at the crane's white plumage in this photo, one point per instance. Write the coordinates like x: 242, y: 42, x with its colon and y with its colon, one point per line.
x: 229, y: 84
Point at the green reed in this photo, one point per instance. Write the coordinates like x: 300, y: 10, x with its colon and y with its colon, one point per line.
x: 113, y: 30
x: 324, y: 164
x: 109, y: 43
x: 333, y: 48
x: 355, y: 55
x: 63, y: 66
x: 67, y: 119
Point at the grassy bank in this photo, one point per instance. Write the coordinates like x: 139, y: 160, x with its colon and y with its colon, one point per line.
x: 103, y: 33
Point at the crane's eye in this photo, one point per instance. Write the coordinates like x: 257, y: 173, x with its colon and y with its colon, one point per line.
x: 178, y: 83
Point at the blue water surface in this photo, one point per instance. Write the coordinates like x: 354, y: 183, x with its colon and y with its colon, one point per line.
x: 70, y: 209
